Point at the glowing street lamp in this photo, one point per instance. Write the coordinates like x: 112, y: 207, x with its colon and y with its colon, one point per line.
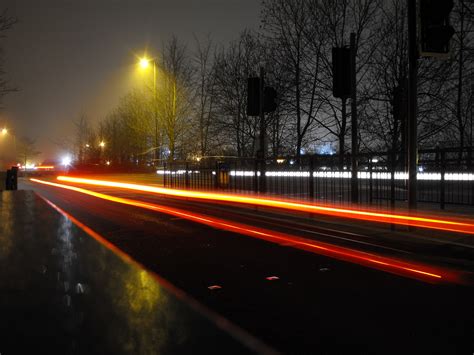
x: 4, y: 131
x: 144, y: 62
x: 102, y: 144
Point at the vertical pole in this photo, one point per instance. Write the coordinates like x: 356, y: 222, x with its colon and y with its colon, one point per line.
x: 263, y: 185
x: 442, y: 197
x: 186, y: 177
x: 164, y: 174
x: 354, y: 145
x: 341, y: 145
x: 370, y: 181
x: 255, y: 177
x: 392, y: 179
x: 311, y: 177
x: 412, y: 105
x: 155, y: 111
x: 216, y: 177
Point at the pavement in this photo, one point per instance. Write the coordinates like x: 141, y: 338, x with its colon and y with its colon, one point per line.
x: 64, y: 290
x: 293, y: 300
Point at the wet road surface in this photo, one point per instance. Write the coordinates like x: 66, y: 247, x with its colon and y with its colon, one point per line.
x: 293, y: 300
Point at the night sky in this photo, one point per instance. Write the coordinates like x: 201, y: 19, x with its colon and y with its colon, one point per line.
x: 71, y: 57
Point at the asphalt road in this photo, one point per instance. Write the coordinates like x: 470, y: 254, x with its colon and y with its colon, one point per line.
x: 315, y: 305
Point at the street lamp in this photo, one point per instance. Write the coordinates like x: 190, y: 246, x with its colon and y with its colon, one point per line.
x: 101, y: 156
x: 6, y: 132
x: 144, y: 64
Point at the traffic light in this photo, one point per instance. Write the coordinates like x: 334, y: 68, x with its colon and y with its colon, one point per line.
x: 341, y: 72
x: 253, y: 96
x: 435, y: 30
x: 269, y: 99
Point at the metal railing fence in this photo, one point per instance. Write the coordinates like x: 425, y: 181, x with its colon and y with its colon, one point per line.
x: 446, y: 176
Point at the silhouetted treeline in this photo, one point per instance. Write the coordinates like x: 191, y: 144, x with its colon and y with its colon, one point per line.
x: 199, y: 106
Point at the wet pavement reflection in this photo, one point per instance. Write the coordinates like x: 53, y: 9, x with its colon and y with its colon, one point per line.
x: 61, y: 291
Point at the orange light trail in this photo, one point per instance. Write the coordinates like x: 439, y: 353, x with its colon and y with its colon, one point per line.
x: 46, y: 167
x: 431, y: 223
x: 391, y: 265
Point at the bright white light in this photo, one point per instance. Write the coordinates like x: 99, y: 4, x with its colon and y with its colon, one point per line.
x: 287, y: 173
x: 241, y: 173
x: 327, y: 174
x: 66, y: 161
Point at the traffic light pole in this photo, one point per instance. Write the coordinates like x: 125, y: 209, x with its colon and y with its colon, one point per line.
x: 354, y: 125
x: 263, y: 185
x: 412, y: 105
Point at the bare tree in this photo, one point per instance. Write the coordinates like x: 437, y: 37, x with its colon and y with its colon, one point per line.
x: 204, y: 83
x: 288, y: 27
x: 233, y: 65
x: 175, y: 95
x: 6, y: 22
x: 83, y: 141
x: 26, y: 150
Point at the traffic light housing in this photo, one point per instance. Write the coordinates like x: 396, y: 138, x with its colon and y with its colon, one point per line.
x: 435, y: 30
x: 341, y: 72
x: 253, y: 96
x: 269, y: 99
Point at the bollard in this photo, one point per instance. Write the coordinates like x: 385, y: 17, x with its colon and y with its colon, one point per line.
x: 11, y: 181
x: 7, y: 180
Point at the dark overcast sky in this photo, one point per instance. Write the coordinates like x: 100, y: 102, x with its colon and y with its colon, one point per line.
x: 68, y: 57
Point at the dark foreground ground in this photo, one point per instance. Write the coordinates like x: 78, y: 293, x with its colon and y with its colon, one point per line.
x: 314, y: 305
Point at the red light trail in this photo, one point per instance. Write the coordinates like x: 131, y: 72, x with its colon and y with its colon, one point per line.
x: 382, y: 217
x: 387, y: 264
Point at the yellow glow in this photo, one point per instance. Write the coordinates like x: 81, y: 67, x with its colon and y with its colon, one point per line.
x: 102, y: 144
x: 144, y: 62
x: 4, y: 131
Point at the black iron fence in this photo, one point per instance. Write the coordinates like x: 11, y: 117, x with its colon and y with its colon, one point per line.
x: 446, y: 176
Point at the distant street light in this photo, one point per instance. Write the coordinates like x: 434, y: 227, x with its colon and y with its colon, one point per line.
x: 66, y: 161
x: 4, y: 131
x: 102, y: 144
x: 144, y: 64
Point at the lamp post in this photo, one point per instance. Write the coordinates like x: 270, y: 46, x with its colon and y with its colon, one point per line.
x: 101, y: 145
x: 4, y: 133
x: 144, y: 64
